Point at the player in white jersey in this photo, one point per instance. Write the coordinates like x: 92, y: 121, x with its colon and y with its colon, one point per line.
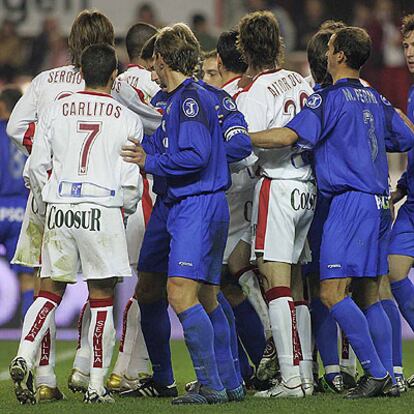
x: 284, y: 197
x: 80, y: 138
x: 135, y: 89
x: 89, y: 27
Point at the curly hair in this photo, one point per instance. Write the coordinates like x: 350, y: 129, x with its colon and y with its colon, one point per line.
x: 407, y: 25
x: 259, y: 40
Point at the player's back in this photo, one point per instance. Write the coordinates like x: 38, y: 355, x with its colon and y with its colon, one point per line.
x: 272, y: 100
x: 86, y: 131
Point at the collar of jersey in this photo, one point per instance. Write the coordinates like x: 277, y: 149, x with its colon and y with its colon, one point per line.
x: 95, y: 93
x: 348, y: 80
x: 181, y: 85
x: 230, y: 81
x: 135, y: 65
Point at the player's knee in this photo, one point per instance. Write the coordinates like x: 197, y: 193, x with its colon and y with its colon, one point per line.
x: 181, y: 295
x: 329, y: 297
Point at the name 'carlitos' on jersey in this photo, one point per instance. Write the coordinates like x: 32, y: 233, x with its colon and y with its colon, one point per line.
x: 350, y: 151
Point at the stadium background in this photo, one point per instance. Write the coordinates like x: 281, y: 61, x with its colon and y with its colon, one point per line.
x: 33, y: 38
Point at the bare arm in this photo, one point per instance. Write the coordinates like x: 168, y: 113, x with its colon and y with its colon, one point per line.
x: 274, y: 138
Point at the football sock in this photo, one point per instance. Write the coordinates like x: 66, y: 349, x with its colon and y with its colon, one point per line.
x: 246, y: 369
x: 393, y: 314
x: 26, y: 301
x: 250, y: 330
x: 228, y: 311
x: 199, y: 338
x: 83, y: 352
x: 381, y: 334
x: 305, y: 336
x: 251, y: 288
x: 101, y: 341
x: 36, y: 324
x: 156, y: 327
x: 353, y: 322
x: 45, y: 371
x: 325, y: 331
x: 284, y: 328
x: 222, y: 349
x: 403, y: 292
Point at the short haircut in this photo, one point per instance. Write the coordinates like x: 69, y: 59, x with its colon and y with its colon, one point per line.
x: 356, y: 45
x: 317, y: 48
x: 333, y: 25
x: 10, y: 96
x: 98, y: 63
x: 229, y: 53
x: 259, y: 39
x: 179, y: 48
x: 90, y: 27
x: 407, y: 25
x: 212, y: 54
x: 198, y: 19
x: 136, y: 38
x: 148, y: 49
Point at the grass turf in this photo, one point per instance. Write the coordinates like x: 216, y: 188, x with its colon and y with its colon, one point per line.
x: 321, y: 403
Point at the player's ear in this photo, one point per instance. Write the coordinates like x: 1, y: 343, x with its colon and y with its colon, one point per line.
x: 340, y: 57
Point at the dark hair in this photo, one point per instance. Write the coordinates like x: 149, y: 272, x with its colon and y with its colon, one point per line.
x: 10, y: 96
x: 198, y: 19
x: 317, y: 48
x: 98, y: 63
x: 331, y: 24
x: 407, y: 25
x: 136, y: 38
x: 89, y: 27
x: 179, y: 48
x: 148, y: 49
x: 259, y: 40
x: 355, y: 43
x: 229, y: 53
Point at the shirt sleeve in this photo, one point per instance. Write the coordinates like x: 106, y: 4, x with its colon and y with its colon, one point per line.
x: 132, y: 186
x: 21, y: 124
x: 194, y: 142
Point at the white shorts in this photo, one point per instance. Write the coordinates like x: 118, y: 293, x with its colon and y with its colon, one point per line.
x: 282, y: 214
x: 29, y: 246
x: 86, y: 236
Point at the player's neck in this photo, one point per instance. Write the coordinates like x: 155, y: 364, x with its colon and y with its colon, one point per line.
x: 100, y: 89
x: 137, y: 62
x: 253, y: 71
x: 344, y: 73
x: 174, y: 80
x: 228, y: 76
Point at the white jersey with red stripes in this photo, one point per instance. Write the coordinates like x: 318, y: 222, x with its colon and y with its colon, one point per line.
x: 80, y: 138
x: 272, y: 100
x: 45, y: 88
x: 232, y: 86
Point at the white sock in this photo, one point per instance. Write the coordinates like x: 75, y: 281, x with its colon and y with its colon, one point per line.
x: 139, y: 359
x: 283, y: 321
x: 251, y: 288
x: 83, y: 352
x: 45, y: 371
x: 101, y: 341
x: 305, y: 335
x: 348, y: 362
x: 36, y: 324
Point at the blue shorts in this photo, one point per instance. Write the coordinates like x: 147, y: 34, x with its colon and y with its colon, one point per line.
x: 187, y: 239
x: 402, y: 233
x: 355, y: 237
x: 11, y: 217
x: 315, y: 234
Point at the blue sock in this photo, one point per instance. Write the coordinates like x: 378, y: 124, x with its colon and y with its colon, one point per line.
x: 156, y: 328
x: 393, y: 314
x: 228, y: 311
x: 250, y: 329
x: 199, y: 338
x: 26, y: 301
x: 353, y: 322
x: 326, y: 335
x: 245, y: 367
x: 222, y: 349
x: 381, y: 334
x: 403, y: 292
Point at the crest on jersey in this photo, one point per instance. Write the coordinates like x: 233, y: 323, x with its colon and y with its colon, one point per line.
x: 314, y: 101
x: 191, y: 108
x: 165, y: 142
x: 385, y: 100
x: 229, y: 104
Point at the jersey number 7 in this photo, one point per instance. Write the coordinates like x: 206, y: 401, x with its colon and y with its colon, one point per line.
x: 92, y: 130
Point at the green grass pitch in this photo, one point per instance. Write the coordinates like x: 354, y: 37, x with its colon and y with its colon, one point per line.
x: 321, y: 403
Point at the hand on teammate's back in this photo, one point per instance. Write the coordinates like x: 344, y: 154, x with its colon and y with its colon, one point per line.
x: 134, y: 154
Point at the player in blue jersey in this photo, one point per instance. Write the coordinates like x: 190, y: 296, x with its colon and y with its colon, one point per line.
x: 189, y: 153
x: 13, y: 196
x: 401, y: 249
x: 349, y: 128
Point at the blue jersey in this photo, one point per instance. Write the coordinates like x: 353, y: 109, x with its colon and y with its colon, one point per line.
x: 406, y: 182
x: 188, y: 148
x: 350, y: 127
x: 12, y: 163
x: 159, y: 100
